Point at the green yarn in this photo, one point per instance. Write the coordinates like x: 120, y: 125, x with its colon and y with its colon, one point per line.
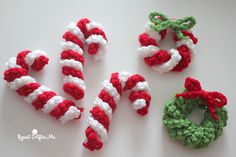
x: 177, y: 25
x: 192, y: 134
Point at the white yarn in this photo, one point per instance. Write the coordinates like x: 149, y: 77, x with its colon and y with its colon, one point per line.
x: 92, y: 25
x: 102, y: 45
x: 141, y: 86
x: 108, y: 87
x: 51, y: 103
x: 152, y: 33
x: 70, y: 114
x: 32, y: 96
x: 79, y: 82
x: 68, y: 45
x: 139, y: 103
x: 170, y: 64
x: 76, y: 31
x: 148, y: 51
x: 19, y: 82
x: 12, y: 63
x: 31, y: 56
x: 72, y: 63
x: 99, y: 128
x: 123, y: 77
x: 104, y: 106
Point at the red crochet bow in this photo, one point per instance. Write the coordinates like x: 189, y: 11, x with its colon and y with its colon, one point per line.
x: 212, y: 100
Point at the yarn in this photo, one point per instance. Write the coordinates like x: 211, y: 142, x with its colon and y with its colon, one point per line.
x: 192, y: 134
x: 83, y: 36
x: 106, y: 102
x: 167, y: 60
x: 39, y: 96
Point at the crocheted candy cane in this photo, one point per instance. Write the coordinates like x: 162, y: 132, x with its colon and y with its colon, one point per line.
x: 174, y: 59
x: 105, y: 105
x: 38, y: 95
x: 72, y: 59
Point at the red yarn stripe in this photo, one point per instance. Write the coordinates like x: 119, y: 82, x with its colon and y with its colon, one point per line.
x: 100, y: 116
x: 39, y: 63
x: 27, y: 89
x: 68, y: 36
x: 14, y: 73
x: 144, y: 40
x: 82, y: 25
x: 42, y: 99
x: 97, y: 31
x: 106, y: 97
x: 116, y: 82
x: 61, y: 108
x: 132, y: 81
x: 159, y: 57
x: 20, y: 59
x: 66, y: 70
x: 93, y: 140
x: 72, y: 89
x: 70, y: 54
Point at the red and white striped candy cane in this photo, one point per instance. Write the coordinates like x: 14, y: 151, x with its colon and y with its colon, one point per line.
x: 78, y: 37
x: 38, y: 95
x: 166, y: 60
x: 105, y: 105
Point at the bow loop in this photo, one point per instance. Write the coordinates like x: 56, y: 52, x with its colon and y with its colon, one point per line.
x: 161, y: 22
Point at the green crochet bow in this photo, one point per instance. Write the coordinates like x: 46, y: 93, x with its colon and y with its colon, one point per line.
x: 161, y: 22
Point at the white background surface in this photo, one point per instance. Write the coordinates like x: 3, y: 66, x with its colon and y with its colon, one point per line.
x: 40, y: 24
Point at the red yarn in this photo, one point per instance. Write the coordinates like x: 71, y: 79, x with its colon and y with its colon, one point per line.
x: 146, y: 41
x: 39, y: 63
x: 185, y: 60
x: 133, y: 80
x: 97, y: 31
x: 20, y: 59
x: 75, y: 91
x: 42, y: 99
x: 158, y: 58
x: 70, y: 54
x: 66, y: 70
x: 93, y: 142
x: 14, y: 73
x: 27, y: 89
x: 116, y: 82
x: 100, y: 116
x: 82, y: 25
x: 93, y: 48
x: 212, y: 100
x: 105, y: 96
x: 68, y: 36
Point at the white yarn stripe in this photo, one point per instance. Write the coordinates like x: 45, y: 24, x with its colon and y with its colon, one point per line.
x: 72, y: 113
x: 189, y: 43
x: 68, y: 45
x: 31, y: 56
x: 19, y: 82
x: 170, y: 64
x: 123, y: 77
x: 141, y: 86
x: 32, y: 96
x: 102, y: 45
x: 152, y: 33
x: 79, y: 82
x: 12, y: 63
x: 148, y: 51
x: 98, y: 127
x: 139, y: 103
x: 51, y: 103
x: 76, y: 31
x: 108, y: 87
x: 92, y: 25
x: 72, y: 63
x: 103, y: 106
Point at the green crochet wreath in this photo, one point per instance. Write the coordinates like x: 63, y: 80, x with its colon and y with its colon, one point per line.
x: 192, y: 134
